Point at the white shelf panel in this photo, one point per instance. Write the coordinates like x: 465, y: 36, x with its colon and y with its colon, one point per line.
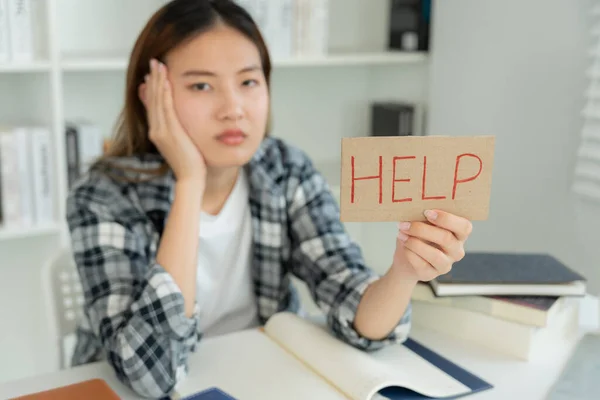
x: 35, y: 66
x: 350, y: 59
x: 7, y: 234
x: 91, y: 63
x: 116, y: 63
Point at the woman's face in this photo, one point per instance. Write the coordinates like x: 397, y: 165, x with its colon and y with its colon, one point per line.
x: 220, y: 95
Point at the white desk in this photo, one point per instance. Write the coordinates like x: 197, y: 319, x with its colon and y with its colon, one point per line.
x: 511, y: 378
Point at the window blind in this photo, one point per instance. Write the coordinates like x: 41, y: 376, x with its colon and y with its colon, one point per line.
x: 587, y: 168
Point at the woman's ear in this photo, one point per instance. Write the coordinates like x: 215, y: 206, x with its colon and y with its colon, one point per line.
x: 142, y: 93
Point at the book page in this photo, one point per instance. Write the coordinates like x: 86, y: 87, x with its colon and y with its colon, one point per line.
x: 249, y: 365
x: 360, y: 375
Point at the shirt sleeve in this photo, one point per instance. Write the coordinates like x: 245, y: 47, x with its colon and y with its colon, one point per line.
x: 330, y: 263
x: 133, y: 306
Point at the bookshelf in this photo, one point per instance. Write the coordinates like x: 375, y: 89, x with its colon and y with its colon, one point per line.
x: 78, y: 71
x: 83, y: 77
x: 79, y: 74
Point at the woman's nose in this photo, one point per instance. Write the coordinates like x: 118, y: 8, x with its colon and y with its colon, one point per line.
x: 231, y: 107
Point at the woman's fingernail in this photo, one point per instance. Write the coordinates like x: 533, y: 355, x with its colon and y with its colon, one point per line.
x: 404, y: 226
x: 402, y: 236
x: 430, y: 214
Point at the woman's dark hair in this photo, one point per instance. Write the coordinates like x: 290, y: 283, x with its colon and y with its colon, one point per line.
x: 172, y: 25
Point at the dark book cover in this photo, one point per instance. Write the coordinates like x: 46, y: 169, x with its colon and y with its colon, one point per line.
x: 392, y: 118
x: 467, y: 378
x: 509, y: 268
x: 72, y: 153
x: 410, y: 25
x: 542, y: 303
x: 210, y: 394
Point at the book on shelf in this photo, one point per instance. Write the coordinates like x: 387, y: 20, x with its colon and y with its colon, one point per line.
x: 499, y: 273
x: 393, y: 118
x: 26, y: 177
x: 297, y: 358
x: 16, y: 37
x: 409, y: 25
x: 4, y: 39
x: 291, y: 28
x: 84, y: 145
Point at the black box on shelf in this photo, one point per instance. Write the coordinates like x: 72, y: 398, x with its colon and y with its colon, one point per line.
x: 392, y: 119
x: 410, y: 22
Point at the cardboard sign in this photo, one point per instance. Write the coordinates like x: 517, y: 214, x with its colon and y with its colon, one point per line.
x: 398, y: 178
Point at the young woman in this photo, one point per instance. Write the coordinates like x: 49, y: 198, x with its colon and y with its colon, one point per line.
x: 196, y: 219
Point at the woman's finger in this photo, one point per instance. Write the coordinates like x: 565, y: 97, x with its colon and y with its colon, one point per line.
x: 150, y: 89
x: 160, y: 111
x: 435, y: 257
x: 459, y: 226
x: 424, y: 269
x: 438, y: 237
x: 168, y: 108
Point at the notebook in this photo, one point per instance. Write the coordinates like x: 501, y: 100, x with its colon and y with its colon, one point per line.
x: 93, y: 389
x: 295, y: 358
x: 524, y: 274
x: 527, y: 310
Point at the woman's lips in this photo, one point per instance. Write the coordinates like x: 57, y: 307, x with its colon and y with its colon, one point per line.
x: 232, y: 137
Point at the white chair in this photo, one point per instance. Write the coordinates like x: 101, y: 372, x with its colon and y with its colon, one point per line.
x: 64, y: 303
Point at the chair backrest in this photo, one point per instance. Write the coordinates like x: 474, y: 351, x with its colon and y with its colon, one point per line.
x: 64, y: 300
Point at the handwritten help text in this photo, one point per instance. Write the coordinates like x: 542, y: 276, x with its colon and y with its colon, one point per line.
x: 397, y: 178
x: 457, y: 180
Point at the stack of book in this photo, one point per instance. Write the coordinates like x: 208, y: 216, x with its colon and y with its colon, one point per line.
x: 26, y: 178
x: 517, y: 304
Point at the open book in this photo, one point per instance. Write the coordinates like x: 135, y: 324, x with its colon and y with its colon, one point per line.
x: 294, y: 358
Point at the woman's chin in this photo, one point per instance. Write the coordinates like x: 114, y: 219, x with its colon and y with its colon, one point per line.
x: 228, y: 160
x: 229, y: 156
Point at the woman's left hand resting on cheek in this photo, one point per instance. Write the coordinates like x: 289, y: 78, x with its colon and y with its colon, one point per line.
x: 424, y: 250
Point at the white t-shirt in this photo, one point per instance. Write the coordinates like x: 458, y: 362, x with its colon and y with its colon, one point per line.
x: 225, y: 291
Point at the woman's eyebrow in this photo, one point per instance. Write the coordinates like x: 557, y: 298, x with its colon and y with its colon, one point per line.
x: 201, y: 72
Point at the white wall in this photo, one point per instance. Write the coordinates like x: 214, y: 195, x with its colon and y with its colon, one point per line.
x: 515, y: 69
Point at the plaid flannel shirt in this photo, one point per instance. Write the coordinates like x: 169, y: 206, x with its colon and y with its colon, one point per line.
x: 134, y: 311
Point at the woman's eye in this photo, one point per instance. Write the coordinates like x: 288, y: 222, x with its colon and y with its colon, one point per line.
x: 250, y: 82
x: 200, y: 86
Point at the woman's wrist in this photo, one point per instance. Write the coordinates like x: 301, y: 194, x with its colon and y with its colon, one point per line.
x: 193, y: 188
x: 401, y: 276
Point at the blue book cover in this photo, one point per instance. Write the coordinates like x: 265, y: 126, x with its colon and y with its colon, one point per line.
x: 473, y: 382
x: 210, y: 394
x: 500, y: 273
